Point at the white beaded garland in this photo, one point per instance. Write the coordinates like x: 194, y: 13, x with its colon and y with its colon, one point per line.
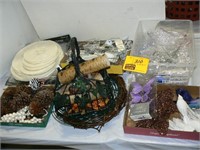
x: 20, y: 117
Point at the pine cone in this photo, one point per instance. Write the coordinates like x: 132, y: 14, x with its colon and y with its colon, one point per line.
x: 41, y: 100
x: 23, y: 88
x: 8, y: 95
x: 44, y: 97
x: 6, y: 100
x: 36, y: 109
x: 20, y: 100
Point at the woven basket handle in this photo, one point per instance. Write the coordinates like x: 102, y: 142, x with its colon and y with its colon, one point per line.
x: 75, y: 55
x: 77, y: 50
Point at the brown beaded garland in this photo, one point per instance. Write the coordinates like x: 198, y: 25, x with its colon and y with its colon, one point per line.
x: 164, y: 108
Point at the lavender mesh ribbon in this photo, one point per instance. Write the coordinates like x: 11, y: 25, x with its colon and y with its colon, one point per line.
x: 141, y: 93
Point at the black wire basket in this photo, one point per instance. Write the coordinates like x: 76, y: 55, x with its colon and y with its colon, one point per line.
x: 86, y: 102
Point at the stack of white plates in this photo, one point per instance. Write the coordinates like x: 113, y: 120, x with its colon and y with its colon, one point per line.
x: 37, y: 60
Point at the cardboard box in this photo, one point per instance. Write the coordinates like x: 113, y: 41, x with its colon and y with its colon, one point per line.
x: 129, y: 124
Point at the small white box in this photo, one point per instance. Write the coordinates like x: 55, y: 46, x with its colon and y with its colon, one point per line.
x: 142, y: 111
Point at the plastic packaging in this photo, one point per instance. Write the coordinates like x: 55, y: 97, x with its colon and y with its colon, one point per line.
x: 169, y: 46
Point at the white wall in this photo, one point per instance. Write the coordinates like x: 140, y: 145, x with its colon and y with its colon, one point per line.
x: 85, y: 19
x: 89, y: 19
x: 16, y: 31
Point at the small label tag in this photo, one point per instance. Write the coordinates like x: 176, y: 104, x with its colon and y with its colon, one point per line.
x: 63, y: 65
x: 115, y: 69
x: 136, y: 64
x: 120, y: 45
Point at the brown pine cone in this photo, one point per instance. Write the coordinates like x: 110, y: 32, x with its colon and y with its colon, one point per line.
x: 20, y: 100
x: 6, y: 100
x: 41, y: 100
x: 36, y: 109
x: 44, y: 97
x: 23, y: 88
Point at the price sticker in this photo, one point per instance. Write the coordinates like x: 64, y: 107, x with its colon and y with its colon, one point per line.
x: 136, y: 64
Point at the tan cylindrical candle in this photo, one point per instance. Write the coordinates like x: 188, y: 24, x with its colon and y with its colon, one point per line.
x: 87, y: 67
